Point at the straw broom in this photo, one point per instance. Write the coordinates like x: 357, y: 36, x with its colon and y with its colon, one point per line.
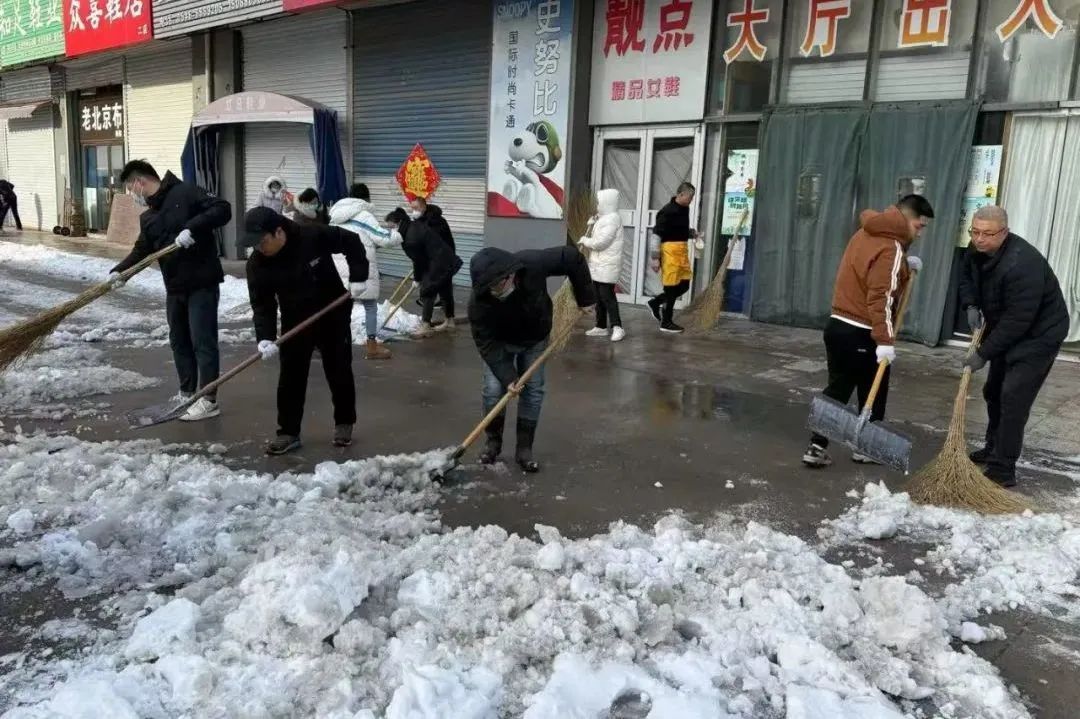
x: 704, y: 312
x: 565, y: 313
x: 951, y: 479
x: 24, y: 339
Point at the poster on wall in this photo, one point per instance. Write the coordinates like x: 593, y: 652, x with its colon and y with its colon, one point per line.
x: 649, y: 60
x: 740, y: 189
x: 417, y: 176
x: 530, y: 108
x: 91, y: 26
x: 982, y: 186
x: 30, y: 30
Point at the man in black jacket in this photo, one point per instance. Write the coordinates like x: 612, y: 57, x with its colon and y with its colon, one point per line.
x: 434, y: 267
x: 510, y: 313
x: 292, y: 268
x: 1009, y: 285
x: 9, y: 201
x: 673, y: 228
x: 432, y: 216
x: 186, y: 215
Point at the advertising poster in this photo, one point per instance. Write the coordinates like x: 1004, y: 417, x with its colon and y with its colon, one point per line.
x: 982, y: 186
x: 740, y: 189
x: 30, y: 30
x: 530, y: 108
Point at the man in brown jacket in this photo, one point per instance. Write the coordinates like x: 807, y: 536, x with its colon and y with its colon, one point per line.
x: 861, y: 332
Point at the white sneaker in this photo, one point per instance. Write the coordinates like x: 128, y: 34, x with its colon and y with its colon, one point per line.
x: 597, y: 332
x: 202, y: 409
x: 862, y: 459
x: 617, y: 334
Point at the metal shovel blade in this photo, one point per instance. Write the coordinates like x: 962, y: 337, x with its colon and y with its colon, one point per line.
x: 876, y: 440
x: 158, y: 414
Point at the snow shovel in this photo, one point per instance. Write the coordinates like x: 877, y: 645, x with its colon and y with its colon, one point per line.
x: 455, y: 457
x: 397, y: 306
x: 168, y: 411
x: 876, y: 440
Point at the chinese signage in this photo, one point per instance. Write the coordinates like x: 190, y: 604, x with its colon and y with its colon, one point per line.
x: 648, y: 60
x: 530, y: 107
x: 101, y: 119
x: 982, y: 185
x: 745, y: 20
x: 293, y: 5
x: 180, y: 17
x: 417, y: 176
x: 92, y: 25
x: 30, y: 30
x: 740, y: 189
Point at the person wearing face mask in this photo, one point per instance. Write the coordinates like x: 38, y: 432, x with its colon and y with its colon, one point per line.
x: 276, y: 195
x: 510, y: 312
x: 434, y: 267
x: 604, y: 241
x: 432, y: 216
x: 184, y: 214
x: 309, y: 209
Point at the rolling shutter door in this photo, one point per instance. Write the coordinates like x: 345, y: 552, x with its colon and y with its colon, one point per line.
x: 31, y: 159
x: 433, y: 92
x: 158, y: 104
x: 940, y: 76
x: 818, y: 82
x: 94, y: 71
x: 284, y: 149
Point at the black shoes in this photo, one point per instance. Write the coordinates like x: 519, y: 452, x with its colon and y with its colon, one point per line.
x: 493, y: 448
x: 526, y: 432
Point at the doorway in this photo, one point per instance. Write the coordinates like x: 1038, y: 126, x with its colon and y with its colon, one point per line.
x: 101, y: 181
x: 646, y: 166
x: 101, y: 142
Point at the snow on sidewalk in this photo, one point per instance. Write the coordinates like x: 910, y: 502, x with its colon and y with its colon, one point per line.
x: 338, y: 594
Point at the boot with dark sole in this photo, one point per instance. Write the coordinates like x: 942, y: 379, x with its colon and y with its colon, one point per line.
x: 493, y: 447
x: 282, y: 444
x: 526, y: 432
x: 343, y: 435
x: 375, y: 351
x: 981, y: 456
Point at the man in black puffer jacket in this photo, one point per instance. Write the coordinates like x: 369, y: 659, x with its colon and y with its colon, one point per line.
x: 510, y: 313
x: 434, y: 267
x: 186, y: 215
x: 1009, y: 285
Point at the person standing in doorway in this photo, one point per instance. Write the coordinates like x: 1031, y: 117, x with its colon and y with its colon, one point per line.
x: 9, y: 201
x: 186, y: 215
x: 673, y: 228
x: 861, y: 331
x: 356, y: 214
x: 604, y: 243
x: 1009, y: 284
x: 276, y: 195
x: 434, y: 267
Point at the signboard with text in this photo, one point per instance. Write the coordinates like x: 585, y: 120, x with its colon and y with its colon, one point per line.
x: 530, y: 107
x: 101, y: 118
x: 30, y: 30
x: 981, y: 188
x: 649, y: 60
x: 180, y: 17
x: 93, y: 25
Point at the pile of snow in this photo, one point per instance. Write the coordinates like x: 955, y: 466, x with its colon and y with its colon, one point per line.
x: 337, y: 593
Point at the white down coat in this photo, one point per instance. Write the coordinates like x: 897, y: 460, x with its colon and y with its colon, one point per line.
x: 358, y: 217
x: 605, y: 242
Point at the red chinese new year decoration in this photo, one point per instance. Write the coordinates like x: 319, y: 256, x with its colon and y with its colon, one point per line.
x: 830, y: 13
x: 925, y: 23
x: 745, y: 21
x: 625, y: 20
x: 417, y: 176
x: 1038, y: 10
x: 94, y: 25
x: 674, y: 20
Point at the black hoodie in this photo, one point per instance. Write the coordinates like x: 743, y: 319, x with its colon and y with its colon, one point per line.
x: 433, y: 218
x: 523, y: 318
x: 433, y: 262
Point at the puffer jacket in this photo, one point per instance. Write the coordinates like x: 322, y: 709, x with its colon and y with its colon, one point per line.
x: 281, y: 202
x: 605, y: 242
x: 358, y: 216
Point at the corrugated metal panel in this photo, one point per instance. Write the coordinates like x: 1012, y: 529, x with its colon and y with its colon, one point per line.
x: 30, y: 84
x: 94, y: 71
x: 158, y: 105
x: 923, y: 77
x: 32, y: 168
x: 284, y: 149
x: 814, y: 82
x: 178, y: 17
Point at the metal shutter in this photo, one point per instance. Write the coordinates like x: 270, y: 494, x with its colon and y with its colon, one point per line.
x: 434, y: 92
x: 923, y: 77
x: 284, y: 149
x: 814, y: 82
x: 158, y: 104
x: 32, y: 168
x: 93, y: 71
x: 33, y: 83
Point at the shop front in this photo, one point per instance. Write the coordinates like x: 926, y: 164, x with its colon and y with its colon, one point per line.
x: 100, y: 133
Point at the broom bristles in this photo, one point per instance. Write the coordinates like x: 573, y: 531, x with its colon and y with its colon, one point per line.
x: 952, y: 480
x: 705, y: 309
x: 24, y: 339
x: 565, y: 312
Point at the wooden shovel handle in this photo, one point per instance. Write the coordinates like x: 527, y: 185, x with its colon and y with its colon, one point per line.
x: 396, y: 307
x: 883, y: 364
x: 401, y: 284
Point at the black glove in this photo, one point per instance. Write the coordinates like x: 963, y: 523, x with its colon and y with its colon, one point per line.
x: 975, y: 362
x: 974, y: 318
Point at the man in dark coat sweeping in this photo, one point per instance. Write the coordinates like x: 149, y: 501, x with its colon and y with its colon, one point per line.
x: 184, y: 214
x: 292, y: 268
x: 510, y: 313
x: 1010, y: 286
x: 434, y: 267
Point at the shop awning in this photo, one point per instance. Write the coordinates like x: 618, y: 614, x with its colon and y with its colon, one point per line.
x: 22, y: 110
x: 256, y: 106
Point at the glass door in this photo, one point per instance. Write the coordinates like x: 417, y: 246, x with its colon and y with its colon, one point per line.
x: 101, y: 180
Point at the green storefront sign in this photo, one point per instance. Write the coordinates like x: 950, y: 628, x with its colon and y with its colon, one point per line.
x: 30, y: 30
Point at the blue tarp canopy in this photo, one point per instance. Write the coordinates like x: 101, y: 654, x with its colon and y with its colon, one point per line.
x: 201, y: 161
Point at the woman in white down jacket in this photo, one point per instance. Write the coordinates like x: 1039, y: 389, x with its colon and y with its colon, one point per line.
x: 604, y: 243
x: 355, y: 213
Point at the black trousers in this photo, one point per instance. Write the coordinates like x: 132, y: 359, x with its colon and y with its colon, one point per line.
x: 852, y: 358
x: 445, y: 292
x: 671, y: 295
x: 332, y: 336
x: 1010, y: 391
x: 14, y: 207
x: 193, y: 336
x: 607, y: 306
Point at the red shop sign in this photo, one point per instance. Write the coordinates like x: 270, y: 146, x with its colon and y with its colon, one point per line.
x: 94, y: 25
x: 292, y: 5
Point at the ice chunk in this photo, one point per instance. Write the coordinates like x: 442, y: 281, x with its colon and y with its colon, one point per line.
x: 164, y: 631
x: 21, y: 521
x: 551, y: 557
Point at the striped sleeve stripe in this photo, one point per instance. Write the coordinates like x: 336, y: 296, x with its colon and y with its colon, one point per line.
x: 893, y: 284
x: 379, y: 231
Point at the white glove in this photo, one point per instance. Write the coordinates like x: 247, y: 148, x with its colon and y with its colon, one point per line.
x: 356, y: 289
x: 887, y: 353
x: 184, y: 240
x: 699, y: 244
x: 268, y: 349
x: 582, y: 241
x: 914, y: 263
x: 115, y: 280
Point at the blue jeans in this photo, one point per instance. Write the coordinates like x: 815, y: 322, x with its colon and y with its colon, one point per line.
x: 516, y: 361
x: 371, y: 317
x: 193, y: 336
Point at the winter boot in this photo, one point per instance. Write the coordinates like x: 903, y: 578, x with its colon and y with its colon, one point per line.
x: 493, y: 448
x: 981, y: 456
x: 282, y: 444
x: 376, y: 351
x: 1003, y: 477
x: 526, y: 432
x: 343, y: 435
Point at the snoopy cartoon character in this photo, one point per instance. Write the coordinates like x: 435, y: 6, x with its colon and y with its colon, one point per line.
x: 533, y: 154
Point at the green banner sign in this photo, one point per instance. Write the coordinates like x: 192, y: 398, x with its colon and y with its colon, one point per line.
x: 30, y: 30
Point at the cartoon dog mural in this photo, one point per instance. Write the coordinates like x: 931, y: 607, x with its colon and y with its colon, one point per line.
x: 534, y: 153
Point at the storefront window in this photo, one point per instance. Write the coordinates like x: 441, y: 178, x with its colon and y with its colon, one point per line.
x: 1029, y: 50
x: 827, y: 48
x: 748, y: 42
x: 925, y: 50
